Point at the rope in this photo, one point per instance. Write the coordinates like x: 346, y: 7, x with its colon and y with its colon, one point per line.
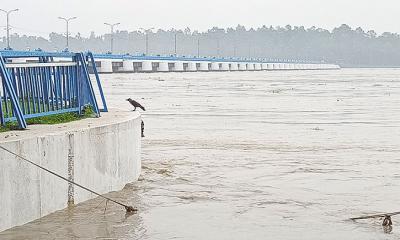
x: 128, y: 209
x: 376, y: 216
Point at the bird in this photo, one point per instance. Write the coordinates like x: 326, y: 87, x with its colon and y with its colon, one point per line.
x: 135, y: 104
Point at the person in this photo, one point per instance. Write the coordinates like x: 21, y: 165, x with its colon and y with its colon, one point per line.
x: 142, y: 129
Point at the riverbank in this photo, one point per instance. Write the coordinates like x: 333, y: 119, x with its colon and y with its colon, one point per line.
x: 102, y: 154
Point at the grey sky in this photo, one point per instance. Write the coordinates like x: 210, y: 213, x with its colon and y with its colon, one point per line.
x: 39, y: 17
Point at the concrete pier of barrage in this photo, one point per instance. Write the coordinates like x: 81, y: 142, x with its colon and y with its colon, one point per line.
x: 102, y: 154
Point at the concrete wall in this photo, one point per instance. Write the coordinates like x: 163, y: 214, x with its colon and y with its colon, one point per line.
x: 250, y: 66
x: 106, y: 66
x: 18, y: 60
x: 242, y: 67
x: 127, y: 66
x: 178, y: 67
x: 147, y: 66
x: 234, y: 67
x: 225, y: 66
x: 264, y: 66
x: 204, y: 67
x: 163, y: 67
x: 215, y: 66
x: 192, y: 67
x: 103, y: 157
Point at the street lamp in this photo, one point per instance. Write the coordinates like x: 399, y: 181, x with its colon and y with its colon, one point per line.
x: 146, y: 31
x: 67, y: 20
x: 112, y: 35
x: 8, y: 25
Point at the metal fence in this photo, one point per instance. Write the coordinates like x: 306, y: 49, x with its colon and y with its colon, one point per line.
x: 35, y: 84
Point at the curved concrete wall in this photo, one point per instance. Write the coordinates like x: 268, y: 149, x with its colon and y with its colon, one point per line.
x: 257, y: 66
x: 103, y: 157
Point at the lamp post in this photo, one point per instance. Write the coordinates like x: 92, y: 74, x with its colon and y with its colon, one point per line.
x: 112, y: 35
x: 146, y: 31
x: 8, y: 25
x: 67, y: 20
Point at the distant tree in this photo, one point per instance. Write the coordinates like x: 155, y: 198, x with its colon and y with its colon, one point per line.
x: 342, y: 45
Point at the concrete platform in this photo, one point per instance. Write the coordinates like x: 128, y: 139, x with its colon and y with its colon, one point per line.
x: 100, y: 153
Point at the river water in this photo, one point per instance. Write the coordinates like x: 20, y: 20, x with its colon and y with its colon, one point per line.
x: 251, y: 155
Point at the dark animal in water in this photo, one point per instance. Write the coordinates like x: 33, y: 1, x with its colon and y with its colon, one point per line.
x: 387, y: 225
x: 135, y: 104
x: 387, y: 221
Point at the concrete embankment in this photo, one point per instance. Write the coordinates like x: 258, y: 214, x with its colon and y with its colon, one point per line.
x: 102, y: 154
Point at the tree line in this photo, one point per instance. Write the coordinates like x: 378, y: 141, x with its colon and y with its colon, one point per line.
x: 343, y: 45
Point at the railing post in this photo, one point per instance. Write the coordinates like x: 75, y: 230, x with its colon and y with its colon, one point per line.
x: 13, y: 96
x: 2, y: 120
x: 86, y: 78
x: 78, y: 84
x: 93, y: 62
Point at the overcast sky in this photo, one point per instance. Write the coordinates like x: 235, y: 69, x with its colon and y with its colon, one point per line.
x: 39, y: 17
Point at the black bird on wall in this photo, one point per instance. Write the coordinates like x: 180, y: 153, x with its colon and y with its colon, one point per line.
x: 135, y: 104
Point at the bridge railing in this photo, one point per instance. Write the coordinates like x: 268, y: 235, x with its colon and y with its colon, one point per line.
x: 35, y: 84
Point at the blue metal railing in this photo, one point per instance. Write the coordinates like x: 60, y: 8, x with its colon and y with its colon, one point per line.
x: 198, y: 59
x: 40, y: 86
x: 170, y: 58
x: 92, y: 62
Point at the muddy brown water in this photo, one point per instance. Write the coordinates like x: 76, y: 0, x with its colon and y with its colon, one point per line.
x: 251, y: 155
